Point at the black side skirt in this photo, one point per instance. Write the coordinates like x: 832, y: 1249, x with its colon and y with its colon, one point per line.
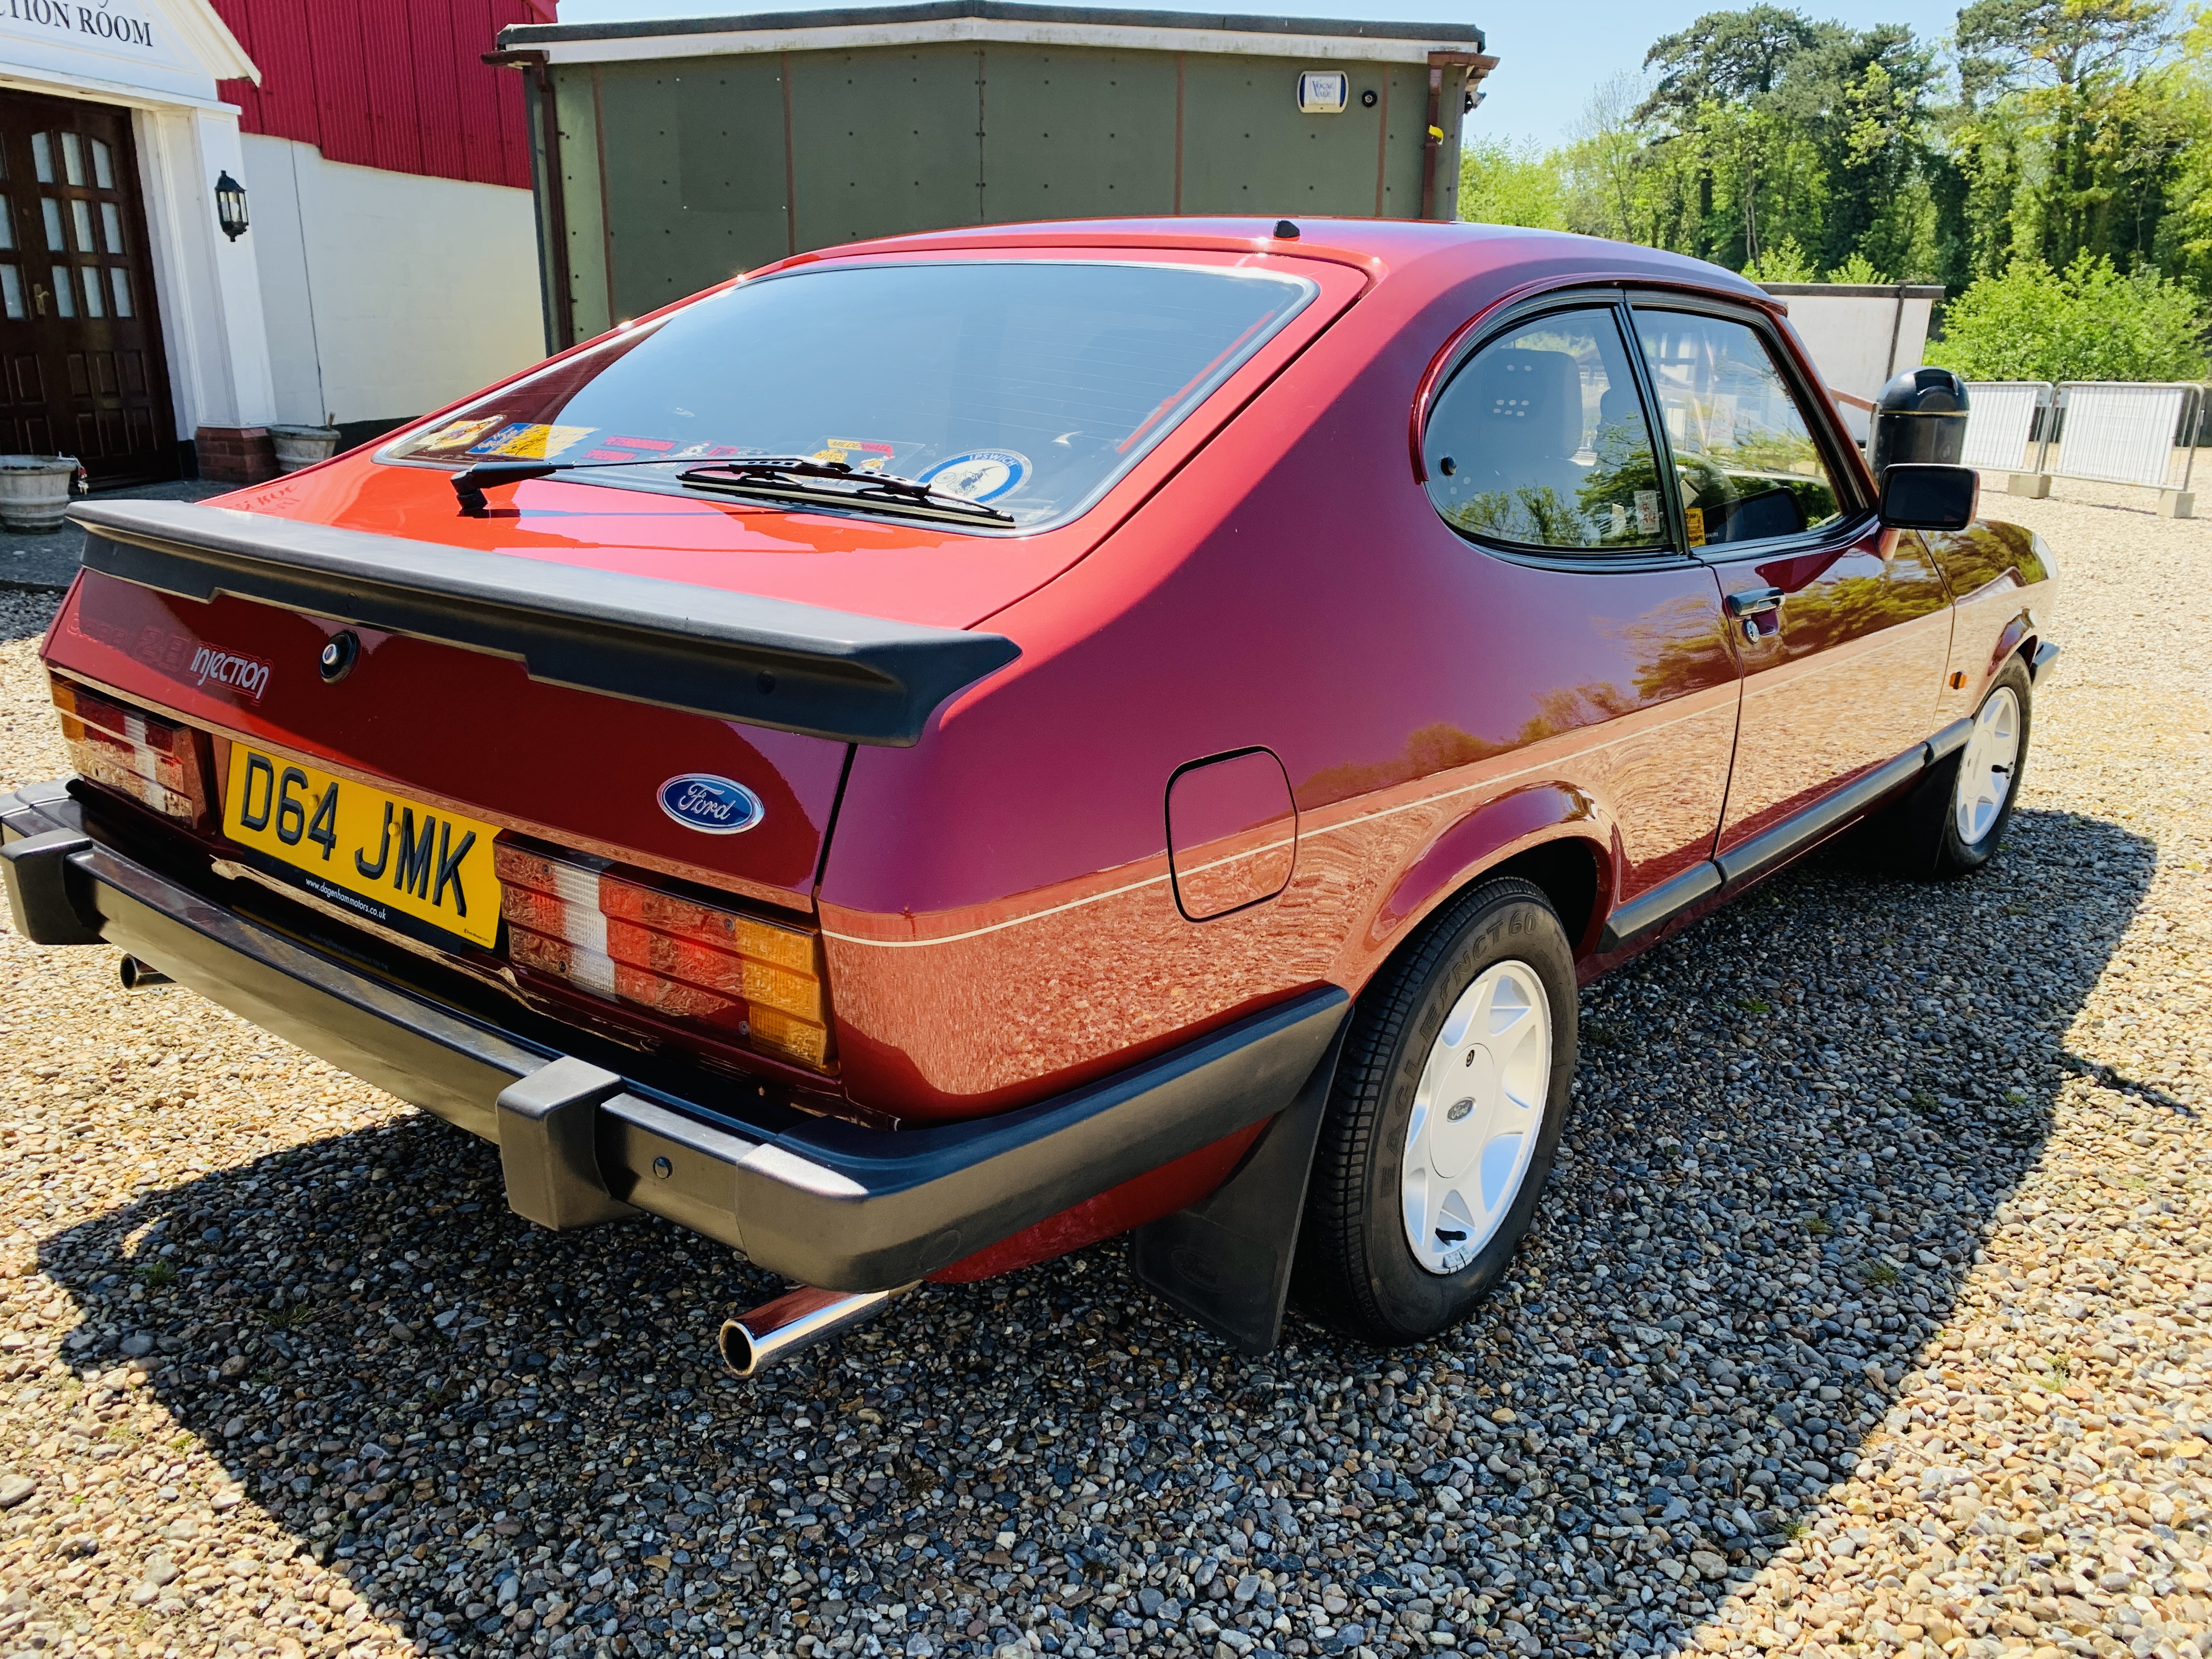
x: 1748, y: 862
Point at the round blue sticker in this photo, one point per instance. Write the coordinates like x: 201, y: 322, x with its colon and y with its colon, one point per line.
x: 981, y: 474
x: 710, y: 804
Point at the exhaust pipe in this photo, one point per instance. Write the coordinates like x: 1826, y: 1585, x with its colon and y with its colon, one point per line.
x: 752, y: 1342
x: 139, y: 976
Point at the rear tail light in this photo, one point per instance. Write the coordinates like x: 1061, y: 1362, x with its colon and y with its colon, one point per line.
x: 735, y: 977
x: 153, y: 760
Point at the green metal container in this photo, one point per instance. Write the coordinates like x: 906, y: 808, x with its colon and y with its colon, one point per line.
x: 670, y: 155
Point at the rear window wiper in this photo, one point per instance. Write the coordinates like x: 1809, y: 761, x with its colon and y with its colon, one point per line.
x: 770, y: 475
x: 783, y: 474
x: 470, y: 483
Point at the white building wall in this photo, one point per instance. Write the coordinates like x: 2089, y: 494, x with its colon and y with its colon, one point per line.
x: 207, y: 287
x: 385, y: 295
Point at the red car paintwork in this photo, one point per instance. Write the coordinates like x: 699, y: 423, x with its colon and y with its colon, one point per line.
x: 1008, y: 906
x: 467, y: 730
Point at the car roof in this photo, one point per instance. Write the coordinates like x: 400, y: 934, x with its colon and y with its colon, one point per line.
x: 1446, y: 252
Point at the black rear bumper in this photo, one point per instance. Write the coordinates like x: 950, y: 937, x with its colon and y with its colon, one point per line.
x: 820, y: 1200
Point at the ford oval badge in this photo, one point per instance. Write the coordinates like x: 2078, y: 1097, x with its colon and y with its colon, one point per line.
x: 712, y: 806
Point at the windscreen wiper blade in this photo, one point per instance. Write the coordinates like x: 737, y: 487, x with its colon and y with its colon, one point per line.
x: 767, y: 475
x: 755, y: 475
x: 470, y: 483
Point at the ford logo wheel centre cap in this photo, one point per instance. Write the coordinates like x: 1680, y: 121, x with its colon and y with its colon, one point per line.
x: 710, y: 804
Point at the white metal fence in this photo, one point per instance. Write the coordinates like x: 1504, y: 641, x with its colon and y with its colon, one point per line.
x: 2000, y: 421
x: 2113, y: 432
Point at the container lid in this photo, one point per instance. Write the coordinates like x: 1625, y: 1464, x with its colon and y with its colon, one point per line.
x: 1923, y: 391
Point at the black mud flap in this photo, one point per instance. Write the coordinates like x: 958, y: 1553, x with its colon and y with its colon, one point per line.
x: 1225, y: 1262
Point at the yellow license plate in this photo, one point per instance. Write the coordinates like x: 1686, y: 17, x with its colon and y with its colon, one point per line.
x: 371, y: 853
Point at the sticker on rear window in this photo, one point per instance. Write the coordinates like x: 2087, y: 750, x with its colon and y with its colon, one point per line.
x: 454, y: 434
x: 981, y: 474
x: 856, y: 452
x: 529, y: 441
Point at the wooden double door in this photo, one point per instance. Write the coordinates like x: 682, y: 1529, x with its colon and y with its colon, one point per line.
x: 82, y: 371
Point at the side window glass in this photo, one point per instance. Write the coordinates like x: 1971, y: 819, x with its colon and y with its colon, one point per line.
x: 1743, y: 450
x: 1539, y: 438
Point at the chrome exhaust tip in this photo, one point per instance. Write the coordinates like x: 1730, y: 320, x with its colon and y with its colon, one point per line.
x: 139, y: 976
x: 800, y: 1318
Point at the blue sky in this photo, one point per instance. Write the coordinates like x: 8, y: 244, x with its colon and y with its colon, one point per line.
x: 1552, y: 55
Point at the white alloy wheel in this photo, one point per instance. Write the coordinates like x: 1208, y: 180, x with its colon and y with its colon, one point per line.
x: 1985, y: 771
x: 1476, y: 1116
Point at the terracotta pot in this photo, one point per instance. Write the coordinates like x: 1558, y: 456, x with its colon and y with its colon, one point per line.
x: 302, y: 446
x: 34, y: 490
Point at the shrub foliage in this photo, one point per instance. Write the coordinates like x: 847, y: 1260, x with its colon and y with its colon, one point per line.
x: 2087, y: 322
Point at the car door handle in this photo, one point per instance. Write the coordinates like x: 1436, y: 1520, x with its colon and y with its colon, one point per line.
x: 1750, y: 601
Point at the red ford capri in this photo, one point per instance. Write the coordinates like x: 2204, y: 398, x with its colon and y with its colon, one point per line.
x: 945, y: 750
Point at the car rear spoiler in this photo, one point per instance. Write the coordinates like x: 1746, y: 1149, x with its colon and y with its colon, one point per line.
x: 735, y: 656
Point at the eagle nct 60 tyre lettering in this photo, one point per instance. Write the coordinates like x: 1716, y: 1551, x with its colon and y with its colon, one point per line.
x: 1446, y: 1111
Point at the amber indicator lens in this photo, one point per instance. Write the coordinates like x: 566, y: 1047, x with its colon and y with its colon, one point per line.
x: 153, y: 761
x: 735, y: 976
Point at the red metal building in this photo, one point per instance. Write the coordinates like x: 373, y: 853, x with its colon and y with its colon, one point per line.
x: 400, y: 87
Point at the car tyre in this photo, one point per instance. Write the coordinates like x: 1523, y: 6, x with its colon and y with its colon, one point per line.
x: 1950, y: 824
x: 1445, y: 1112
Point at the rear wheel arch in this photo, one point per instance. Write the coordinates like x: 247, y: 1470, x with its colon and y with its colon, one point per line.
x: 1571, y: 871
x: 1553, y: 835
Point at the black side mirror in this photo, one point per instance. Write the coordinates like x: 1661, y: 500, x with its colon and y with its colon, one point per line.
x: 1927, y: 495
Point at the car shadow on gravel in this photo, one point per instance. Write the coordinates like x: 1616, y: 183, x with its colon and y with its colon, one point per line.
x: 1794, y: 1125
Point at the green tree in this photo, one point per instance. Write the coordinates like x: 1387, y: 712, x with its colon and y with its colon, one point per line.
x: 1780, y: 145
x: 1864, y: 101
x: 1768, y: 125
x: 1716, y: 105
x: 1725, y: 58
x: 2088, y: 322
x: 2075, y: 69
x: 1602, y: 166
x: 1782, y: 262
x: 1504, y: 183
x: 2184, y: 238
x: 1859, y: 271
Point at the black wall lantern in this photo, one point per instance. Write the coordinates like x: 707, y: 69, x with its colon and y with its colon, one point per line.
x: 230, y: 206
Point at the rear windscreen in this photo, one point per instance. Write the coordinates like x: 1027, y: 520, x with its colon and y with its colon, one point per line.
x: 1030, y: 386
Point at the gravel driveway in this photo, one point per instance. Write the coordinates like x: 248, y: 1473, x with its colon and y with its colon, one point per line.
x: 1867, y: 1313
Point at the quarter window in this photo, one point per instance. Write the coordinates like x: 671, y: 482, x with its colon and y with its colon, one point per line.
x: 1539, y: 438
x: 1743, y: 450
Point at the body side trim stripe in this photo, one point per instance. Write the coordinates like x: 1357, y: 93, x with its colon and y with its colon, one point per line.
x: 1341, y: 825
